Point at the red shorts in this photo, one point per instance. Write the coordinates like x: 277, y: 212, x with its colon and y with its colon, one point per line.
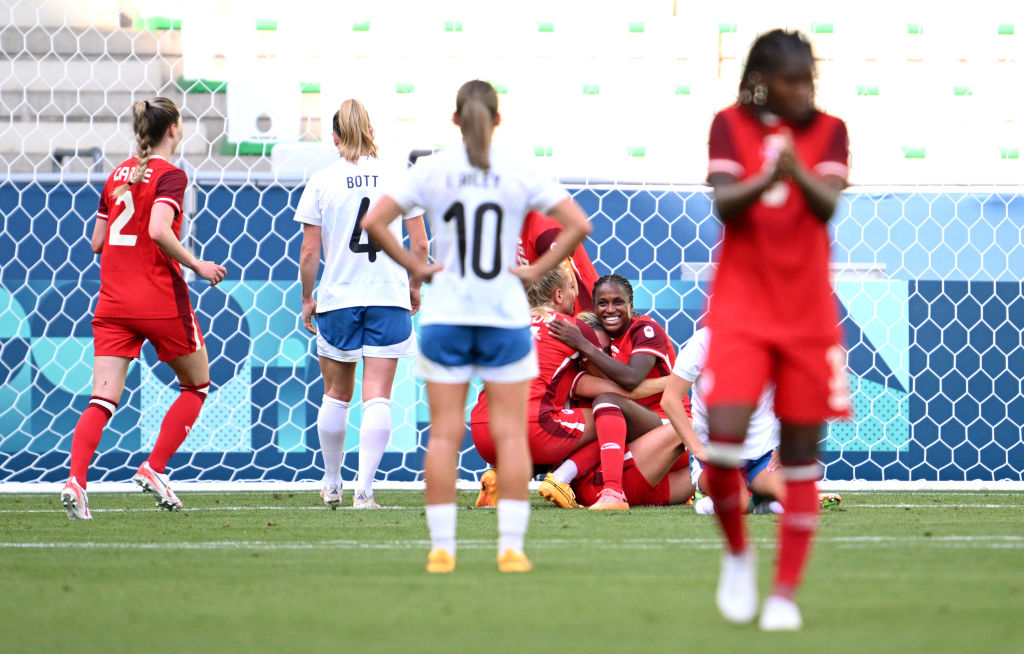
x: 638, y: 490
x: 810, y: 376
x: 123, y: 337
x: 552, y: 439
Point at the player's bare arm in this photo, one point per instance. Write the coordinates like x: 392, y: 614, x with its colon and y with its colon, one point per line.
x: 309, y: 263
x: 162, y: 234
x: 420, y: 248
x: 672, y: 405
x: 99, y: 235
x: 375, y: 223
x: 821, y: 193
x: 576, y: 228
x: 733, y: 196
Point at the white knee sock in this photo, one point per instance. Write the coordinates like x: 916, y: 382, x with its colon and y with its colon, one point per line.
x: 566, y: 472
x: 374, y: 434
x: 513, y: 515
x: 441, y: 521
x: 330, y: 427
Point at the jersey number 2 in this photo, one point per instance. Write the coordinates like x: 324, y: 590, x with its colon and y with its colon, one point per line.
x: 370, y: 248
x: 116, y: 237
x: 457, y: 212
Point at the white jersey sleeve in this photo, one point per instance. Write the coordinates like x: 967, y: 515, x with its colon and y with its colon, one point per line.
x: 692, y: 356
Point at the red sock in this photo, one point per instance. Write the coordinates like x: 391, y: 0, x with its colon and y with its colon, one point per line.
x: 796, y: 528
x: 726, y: 489
x: 176, y: 425
x: 611, y: 436
x: 586, y: 458
x: 88, y: 433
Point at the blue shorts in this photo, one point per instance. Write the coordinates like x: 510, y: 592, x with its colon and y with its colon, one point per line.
x: 455, y: 353
x: 352, y: 333
x: 751, y: 467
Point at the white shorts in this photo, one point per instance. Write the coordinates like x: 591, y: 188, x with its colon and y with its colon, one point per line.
x: 406, y: 348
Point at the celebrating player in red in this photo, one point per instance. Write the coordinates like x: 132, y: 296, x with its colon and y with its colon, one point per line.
x: 777, y: 166
x: 640, y: 350
x: 143, y: 297
x: 538, y: 235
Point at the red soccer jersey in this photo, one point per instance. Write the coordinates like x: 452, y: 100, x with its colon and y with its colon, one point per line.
x: 538, y: 235
x: 645, y: 336
x: 137, y: 280
x: 558, y: 364
x: 773, y: 271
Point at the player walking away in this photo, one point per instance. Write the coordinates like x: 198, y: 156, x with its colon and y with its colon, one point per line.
x: 777, y: 166
x: 539, y: 232
x: 364, y: 302
x: 478, y: 319
x: 143, y: 297
x: 640, y: 350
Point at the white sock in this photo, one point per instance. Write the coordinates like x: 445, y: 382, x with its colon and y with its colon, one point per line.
x: 513, y: 515
x: 331, y: 422
x: 374, y: 435
x: 566, y: 472
x: 441, y: 521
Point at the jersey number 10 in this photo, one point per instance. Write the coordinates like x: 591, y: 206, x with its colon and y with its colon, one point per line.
x: 457, y: 212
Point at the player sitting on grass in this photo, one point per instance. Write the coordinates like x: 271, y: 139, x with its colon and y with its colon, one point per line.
x: 761, y: 470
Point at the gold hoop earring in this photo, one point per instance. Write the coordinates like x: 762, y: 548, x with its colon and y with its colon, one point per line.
x: 760, y: 94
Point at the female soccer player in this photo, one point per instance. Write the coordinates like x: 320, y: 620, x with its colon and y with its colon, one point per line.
x: 539, y: 232
x: 364, y: 302
x: 143, y: 297
x: 640, y: 350
x: 477, y: 320
x: 777, y: 166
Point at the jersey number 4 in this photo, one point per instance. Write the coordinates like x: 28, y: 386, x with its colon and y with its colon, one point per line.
x: 354, y: 242
x: 457, y: 212
x: 115, y: 237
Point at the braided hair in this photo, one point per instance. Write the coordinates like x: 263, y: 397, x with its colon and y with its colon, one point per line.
x: 767, y: 55
x: 151, y: 119
x: 615, y: 279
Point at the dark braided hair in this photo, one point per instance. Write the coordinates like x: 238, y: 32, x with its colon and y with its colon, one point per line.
x: 615, y: 279
x: 767, y: 55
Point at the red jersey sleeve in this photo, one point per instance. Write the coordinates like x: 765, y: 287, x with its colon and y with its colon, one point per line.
x: 104, y: 210
x: 722, y: 155
x: 835, y: 160
x: 170, y: 189
x: 649, y: 338
x: 588, y: 332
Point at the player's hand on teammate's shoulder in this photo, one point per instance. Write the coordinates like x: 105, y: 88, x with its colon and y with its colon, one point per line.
x: 567, y: 333
x: 211, y: 272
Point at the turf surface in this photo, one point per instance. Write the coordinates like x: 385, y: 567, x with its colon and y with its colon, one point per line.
x: 277, y: 572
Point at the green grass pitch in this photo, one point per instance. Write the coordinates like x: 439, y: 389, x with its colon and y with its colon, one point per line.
x: 277, y: 572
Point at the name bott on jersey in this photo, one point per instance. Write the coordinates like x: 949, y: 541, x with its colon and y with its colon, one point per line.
x: 361, y: 181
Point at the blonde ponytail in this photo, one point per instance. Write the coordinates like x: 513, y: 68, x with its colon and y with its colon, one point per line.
x: 354, y: 132
x: 477, y: 106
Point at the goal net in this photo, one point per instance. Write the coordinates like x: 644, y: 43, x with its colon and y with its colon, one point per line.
x: 928, y: 244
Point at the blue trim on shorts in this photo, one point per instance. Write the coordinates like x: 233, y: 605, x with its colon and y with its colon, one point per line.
x: 353, y: 327
x: 754, y: 467
x: 464, y: 345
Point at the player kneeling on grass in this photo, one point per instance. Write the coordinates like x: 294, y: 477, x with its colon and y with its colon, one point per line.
x: 143, y: 297
x: 554, y: 428
x: 760, y: 463
x: 364, y: 302
x: 477, y: 320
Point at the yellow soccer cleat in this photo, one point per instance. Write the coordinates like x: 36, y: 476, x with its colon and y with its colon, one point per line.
x: 440, y: 561
x: 610, y: 500
x: 557, y: 493
x: 488, y: 489
x: 513, y: 561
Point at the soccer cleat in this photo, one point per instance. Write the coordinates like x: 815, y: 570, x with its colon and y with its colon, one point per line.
x: 826, y: 500
x: 360, y: 500
x: 513, y: 561
x: 704, y: 506
x: 610, y: 500
x: 156, y: 485
x: 737, y: 587
x: 440, y: 561
x: 557, y: 493
x: 780, y: 614
x: 75, y: 501
x: 488, y: 489
x: 331, y: 495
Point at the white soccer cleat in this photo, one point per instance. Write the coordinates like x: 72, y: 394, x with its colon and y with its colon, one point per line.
x: 737, y: 586
x: 704, y: 506
x: 331, y: 495
x: 360, y: 500
x: 156, y: 485
x: 75, y: 500
x: 780, y: 614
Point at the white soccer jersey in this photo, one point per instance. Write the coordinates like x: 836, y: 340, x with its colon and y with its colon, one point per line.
x: 475, y: 219
x: 763, y: 433
x: 355, y: 274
